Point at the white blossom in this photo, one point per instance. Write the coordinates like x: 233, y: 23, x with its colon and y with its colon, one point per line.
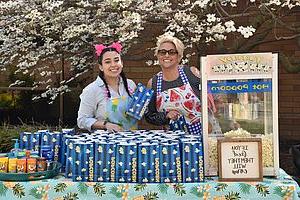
x: 201, y: 3
x: 246, y: 31
x: 274, y: 2
x: 230, y: 26
x: 149, y: 62
x: 211, y: 17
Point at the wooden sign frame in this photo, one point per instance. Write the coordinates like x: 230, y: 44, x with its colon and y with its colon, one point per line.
x: 241, y: 149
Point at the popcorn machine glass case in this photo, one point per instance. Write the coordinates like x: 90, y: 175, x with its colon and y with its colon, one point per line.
x: 239, y: 99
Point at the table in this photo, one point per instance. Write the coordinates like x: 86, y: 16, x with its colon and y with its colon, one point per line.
x: 283, y: 187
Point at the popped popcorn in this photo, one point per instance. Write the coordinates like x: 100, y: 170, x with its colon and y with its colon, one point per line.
x: 267, y: 150
x: 239, y: 133
x: 213, y: 153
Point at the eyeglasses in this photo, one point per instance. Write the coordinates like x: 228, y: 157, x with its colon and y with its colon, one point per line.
x: 163, y: 52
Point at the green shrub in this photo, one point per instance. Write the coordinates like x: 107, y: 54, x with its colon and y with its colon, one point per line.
x: 6, y: 100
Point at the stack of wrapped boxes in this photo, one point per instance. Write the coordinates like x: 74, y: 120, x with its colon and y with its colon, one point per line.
x: 42, y: 139
x: 142, y: 156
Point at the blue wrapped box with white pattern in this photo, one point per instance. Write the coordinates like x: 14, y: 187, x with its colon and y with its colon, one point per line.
x: 148, y: 162
x: 192, y: 160
x: 139, y: 101
x: 105, y: 161
x: 83, y: 161
x: 170, y: 163
x: 126, y: 162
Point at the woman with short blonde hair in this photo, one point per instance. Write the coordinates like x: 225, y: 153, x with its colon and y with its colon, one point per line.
x: 168, y: 38
x: 176, y: 89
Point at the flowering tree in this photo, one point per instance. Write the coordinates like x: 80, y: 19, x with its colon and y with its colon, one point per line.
x: 42, y: 38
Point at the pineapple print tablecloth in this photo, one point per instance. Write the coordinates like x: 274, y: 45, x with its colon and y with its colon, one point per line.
x: 284, y: 187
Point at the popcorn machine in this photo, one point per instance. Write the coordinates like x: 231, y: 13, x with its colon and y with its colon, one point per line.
x: 239, y: 99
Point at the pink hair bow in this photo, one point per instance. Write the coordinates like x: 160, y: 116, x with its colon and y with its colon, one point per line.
x: 100, y: 47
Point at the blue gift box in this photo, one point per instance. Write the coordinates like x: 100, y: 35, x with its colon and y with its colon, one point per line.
x: 139, y: 101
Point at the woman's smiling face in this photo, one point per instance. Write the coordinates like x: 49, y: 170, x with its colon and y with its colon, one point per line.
x: 167, y: 55
x: 111, y: 64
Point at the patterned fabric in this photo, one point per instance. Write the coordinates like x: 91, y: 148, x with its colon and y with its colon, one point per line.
x: 116, y: 113
x: 182, y: 99
x: 284, y: 187
x: 195, y: 128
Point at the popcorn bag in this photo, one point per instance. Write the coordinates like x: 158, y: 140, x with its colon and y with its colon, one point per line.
x: 69, y: 131
x: 148, y: 162
x: 69, y: 159
x: 64, y: 147
x: 134, y: 157
x: 83, y: 161
x: 179, y: 124
x: 170, y: 162
x: 26, y: 140
x: 126, y: 162
x: 56, y: 140
x: 192, y: 159
x: 139, y: 101
x: 105, y: 161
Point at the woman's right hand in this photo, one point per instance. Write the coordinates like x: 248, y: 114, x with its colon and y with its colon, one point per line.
x: 110, y: 127
x: 173, y: 115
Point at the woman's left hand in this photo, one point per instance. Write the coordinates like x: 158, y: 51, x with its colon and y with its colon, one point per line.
x: 173, y: 115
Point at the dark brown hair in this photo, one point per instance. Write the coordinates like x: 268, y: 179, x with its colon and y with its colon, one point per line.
x: 101, y: 73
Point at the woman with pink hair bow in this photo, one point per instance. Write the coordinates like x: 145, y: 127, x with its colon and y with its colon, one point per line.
x: 103, y: 102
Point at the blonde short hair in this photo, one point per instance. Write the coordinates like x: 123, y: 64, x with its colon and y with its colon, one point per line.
x: 171, y: 39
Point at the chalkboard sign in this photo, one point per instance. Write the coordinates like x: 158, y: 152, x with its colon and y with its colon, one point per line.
x: 240, y: 159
